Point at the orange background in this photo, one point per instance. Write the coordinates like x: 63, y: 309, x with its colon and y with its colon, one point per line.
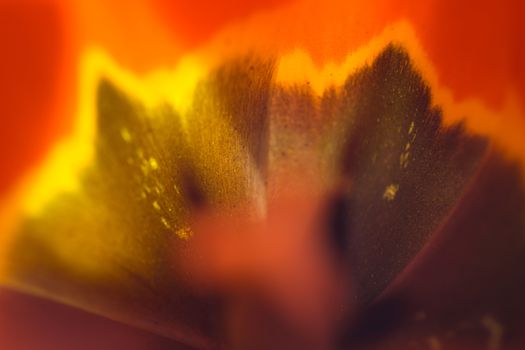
x: 476, y: 47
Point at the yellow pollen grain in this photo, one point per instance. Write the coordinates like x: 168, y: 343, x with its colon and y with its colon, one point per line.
x: 156, y: 205
x: 403, y: 159
x: 390, y: 192
x: 165, y: 222
x: 176, y: 189
x: 184, y: 233
x: 153, y: 163
x: 125, y: 134
x: 411, y: 128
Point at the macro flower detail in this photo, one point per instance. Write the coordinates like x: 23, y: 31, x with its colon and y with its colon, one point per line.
x: 262, y: 175
x: 409, y: 192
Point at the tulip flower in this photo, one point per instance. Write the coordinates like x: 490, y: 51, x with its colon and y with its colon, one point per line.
x: 284, y: 174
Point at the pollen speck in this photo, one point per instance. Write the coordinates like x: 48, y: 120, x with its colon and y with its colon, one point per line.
x: 184, y: 233
x: 156, y: 205
x: 403, y: 159
x: 153, y: 163
x: 125, y: 134
x: 411, y: 128
x: 165, y: 222
x: 390, y: 192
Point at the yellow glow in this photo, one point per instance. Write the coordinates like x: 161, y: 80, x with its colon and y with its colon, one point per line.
x: 61, y: 170
x: 298, y: 67
x: 177, y: 87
